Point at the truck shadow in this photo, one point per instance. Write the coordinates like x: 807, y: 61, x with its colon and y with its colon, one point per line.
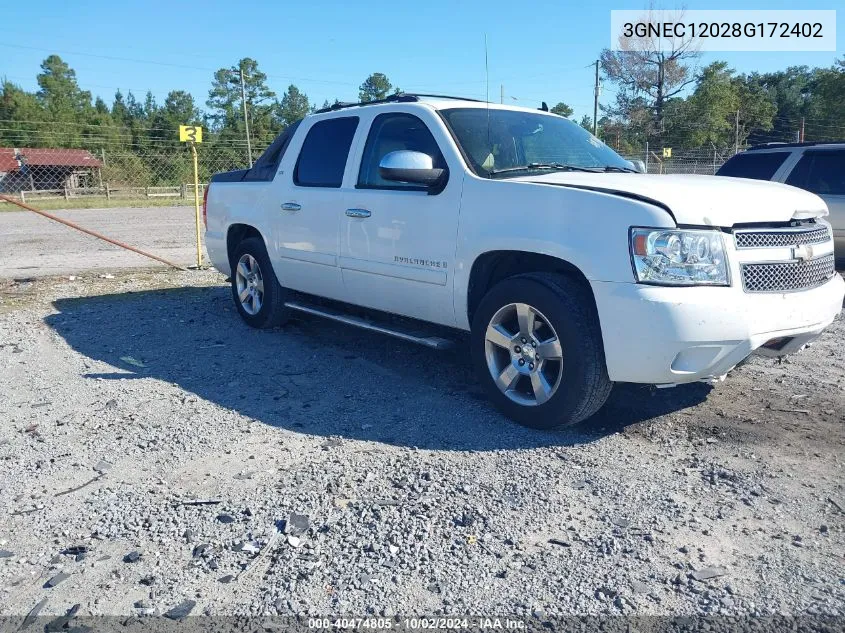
x: 317, y: 377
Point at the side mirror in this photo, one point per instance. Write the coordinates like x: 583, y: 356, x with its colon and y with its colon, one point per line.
x: 638, y: 165
x: 413, y: 167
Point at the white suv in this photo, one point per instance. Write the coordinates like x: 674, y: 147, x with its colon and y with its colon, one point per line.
x: 569, y: 270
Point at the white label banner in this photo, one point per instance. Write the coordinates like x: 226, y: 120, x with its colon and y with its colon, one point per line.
x: 723, y: 30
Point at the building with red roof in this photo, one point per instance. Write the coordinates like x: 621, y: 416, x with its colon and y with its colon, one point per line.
x: 31, y: 169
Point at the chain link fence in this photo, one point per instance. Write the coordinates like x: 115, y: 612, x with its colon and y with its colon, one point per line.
x: 161, y: 174
x: 682, y: 161
x: 113, y: 176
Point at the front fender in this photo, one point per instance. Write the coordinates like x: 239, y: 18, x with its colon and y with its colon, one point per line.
x: 588, y: 229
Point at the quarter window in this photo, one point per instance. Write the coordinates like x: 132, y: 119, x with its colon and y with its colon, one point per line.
x: 266, y: 165
x: 322, y: 159
x: 390, y: 133
x: 756, y: 165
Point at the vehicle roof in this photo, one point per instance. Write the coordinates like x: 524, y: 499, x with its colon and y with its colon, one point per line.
x: 778, y: 146
x: 436, y: 102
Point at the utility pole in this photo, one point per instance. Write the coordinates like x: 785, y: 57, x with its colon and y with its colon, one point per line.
x: 501, y: 93
x: 596, y: 103
x: 801, y: 136
x: 246, y: 119
x: 736, y: 140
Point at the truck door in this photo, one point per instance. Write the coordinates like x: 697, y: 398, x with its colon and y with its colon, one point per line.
x: 308, y: 206
x: 397, y: 242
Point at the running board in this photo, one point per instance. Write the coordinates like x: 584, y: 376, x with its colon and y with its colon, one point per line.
x: 435, y: 342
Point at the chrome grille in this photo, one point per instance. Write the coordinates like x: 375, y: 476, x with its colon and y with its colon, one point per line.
x: 787, y: 276
x: 786, y: 237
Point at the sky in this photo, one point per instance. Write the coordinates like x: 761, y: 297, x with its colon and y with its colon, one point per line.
x: 537, y: 51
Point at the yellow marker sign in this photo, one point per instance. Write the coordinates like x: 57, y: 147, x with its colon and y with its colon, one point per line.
x: 193, y: 134
x: 190, y: 133
x: 667, y: 152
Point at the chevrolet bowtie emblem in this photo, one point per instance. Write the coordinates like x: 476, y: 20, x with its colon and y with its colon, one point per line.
x: 802, y: 253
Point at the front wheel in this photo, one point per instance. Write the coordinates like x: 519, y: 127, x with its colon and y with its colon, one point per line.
x: 538, y: 352
x: 257, y: 294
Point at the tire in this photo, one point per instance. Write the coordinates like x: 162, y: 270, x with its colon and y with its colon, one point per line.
x: 553, y: 393
x: 252, y: 271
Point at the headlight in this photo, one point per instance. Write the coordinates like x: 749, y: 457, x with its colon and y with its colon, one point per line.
x: 679, y: 257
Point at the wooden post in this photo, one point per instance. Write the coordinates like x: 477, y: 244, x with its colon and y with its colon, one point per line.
x: 108, y: 190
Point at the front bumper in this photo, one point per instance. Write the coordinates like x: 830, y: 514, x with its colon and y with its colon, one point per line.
x: 664, y: 336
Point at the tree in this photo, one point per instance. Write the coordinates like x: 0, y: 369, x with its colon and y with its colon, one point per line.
x: 755, y: 111
x: 562, y: 109
x: 100, y: 129
x: 150, y: 106
x: 586, y: 122
x: 827, y: 105
x: 789, y: 90
x: 134, y: 110
x: 119, y: 111
x: 376, y: 86
x: 646, y: 68
x: 179, y: 108
x: 59, y: 92
x: 293, y: 106
x: 17, y: 108
x: 224, y: 99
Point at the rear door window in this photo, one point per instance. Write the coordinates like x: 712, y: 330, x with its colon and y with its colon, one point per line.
x: 756, y: 165
x: 822, y: 172
x: 322, y: 159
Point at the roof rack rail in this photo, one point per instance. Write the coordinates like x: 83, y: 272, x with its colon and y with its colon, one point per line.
x: 399, y: 97
x: 777, y: 144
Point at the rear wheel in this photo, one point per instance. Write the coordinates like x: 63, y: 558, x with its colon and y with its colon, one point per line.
x: 258, y: 296
x: 537, y: 350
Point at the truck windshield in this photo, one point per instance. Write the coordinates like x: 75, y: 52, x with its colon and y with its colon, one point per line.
x: 508, y: 143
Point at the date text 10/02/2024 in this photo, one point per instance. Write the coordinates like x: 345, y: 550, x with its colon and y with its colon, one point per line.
x: 418, y: 623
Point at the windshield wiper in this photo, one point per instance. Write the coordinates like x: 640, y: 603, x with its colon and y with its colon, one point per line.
x: 623, y: 169
x: 550, y: 166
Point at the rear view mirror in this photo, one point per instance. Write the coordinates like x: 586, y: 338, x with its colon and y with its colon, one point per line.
x: 411, y: 167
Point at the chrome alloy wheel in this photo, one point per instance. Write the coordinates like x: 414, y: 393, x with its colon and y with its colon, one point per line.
x: 523, y: 354
x: 250, y: 284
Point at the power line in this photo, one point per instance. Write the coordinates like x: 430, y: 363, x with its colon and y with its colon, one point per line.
x: 168, y: 64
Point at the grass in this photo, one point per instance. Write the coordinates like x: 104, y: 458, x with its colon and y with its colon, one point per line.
x: 96, y: 202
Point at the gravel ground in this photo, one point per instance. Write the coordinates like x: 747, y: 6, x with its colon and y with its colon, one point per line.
x: 352, y: 473
x: 31, y: 245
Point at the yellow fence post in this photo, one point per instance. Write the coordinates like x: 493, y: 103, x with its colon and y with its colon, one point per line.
x: 197, y: 203
x: 192, y: 134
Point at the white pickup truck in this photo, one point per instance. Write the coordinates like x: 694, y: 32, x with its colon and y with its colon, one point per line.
x: 570, y: 270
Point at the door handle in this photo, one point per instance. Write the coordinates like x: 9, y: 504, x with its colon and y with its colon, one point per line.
x: 291, y: 206
x: 358, y: 213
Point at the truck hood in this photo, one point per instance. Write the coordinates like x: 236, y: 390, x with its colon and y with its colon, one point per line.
x: 699, y: 200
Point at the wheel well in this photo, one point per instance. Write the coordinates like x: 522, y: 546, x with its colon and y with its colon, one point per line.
x: 237, y: 234
x: 491, y: 268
